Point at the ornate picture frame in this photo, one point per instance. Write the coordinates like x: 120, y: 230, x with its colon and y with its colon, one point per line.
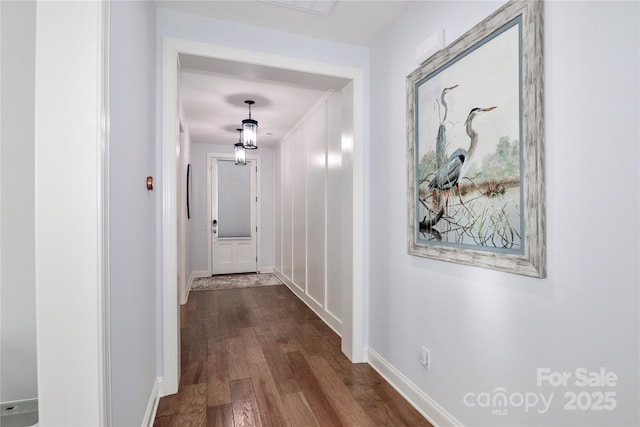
x: 476, y: 184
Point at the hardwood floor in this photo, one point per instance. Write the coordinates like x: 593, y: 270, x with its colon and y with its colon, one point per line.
x: 259, y: 357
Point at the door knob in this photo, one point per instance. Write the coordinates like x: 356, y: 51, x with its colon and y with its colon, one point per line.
x: 214, y: 226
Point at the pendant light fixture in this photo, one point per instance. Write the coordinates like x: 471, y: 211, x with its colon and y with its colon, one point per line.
x: 241, y: 155
x: 249, y: 130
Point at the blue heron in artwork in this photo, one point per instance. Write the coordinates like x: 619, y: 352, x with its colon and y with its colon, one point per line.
x: 456, y: 166
x: 441, y: 139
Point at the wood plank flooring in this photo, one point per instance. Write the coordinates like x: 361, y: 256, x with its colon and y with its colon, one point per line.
x: 259, y: 357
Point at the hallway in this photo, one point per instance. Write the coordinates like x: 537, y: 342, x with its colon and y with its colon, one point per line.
x: 261, y: 357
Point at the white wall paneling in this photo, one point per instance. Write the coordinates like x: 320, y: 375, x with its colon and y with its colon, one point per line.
x: 287, y: 211
x: 305, y: 194
x: 316, y: 174
x: 277, y: 207
x: 334, y: 207
x: 298, y: 146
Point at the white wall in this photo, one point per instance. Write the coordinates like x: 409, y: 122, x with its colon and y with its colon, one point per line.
x: 17, y: 169
x: 132, y: 209
x: 488, y: 329
x: 197, y: 225
x: 209, y: 30
x: 184, y: 247
x: 309, y: 206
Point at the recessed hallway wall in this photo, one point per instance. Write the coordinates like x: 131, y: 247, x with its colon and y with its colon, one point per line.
x: 310, y: 182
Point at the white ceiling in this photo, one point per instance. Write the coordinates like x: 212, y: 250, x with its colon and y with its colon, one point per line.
x: 356, y: 22
x: 212, y: 91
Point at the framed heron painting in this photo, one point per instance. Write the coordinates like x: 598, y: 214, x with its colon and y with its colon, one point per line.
x: 475, y: 146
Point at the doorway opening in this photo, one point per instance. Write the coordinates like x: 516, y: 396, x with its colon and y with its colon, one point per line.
x: 351, y: 84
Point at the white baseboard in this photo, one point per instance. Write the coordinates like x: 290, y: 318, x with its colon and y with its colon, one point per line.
x: 265, y: 270
x: 194, y: 275
x: 330, y: 319
x: 424, y: 404
x: 184, y: 298
x: 200, y: 273
x: 190, y: 283
x: 152, y: 406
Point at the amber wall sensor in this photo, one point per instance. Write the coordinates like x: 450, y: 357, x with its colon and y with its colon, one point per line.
x: 149, y: 183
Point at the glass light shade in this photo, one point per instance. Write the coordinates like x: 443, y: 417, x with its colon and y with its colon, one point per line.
x: 250, y: 134
x: 241, y: 157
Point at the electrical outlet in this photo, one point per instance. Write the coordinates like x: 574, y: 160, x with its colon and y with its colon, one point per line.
x: 425, y: 357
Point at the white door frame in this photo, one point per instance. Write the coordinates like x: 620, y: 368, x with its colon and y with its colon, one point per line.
x: 72, y: 193
x: 353, y: 340
x: 256, y: 159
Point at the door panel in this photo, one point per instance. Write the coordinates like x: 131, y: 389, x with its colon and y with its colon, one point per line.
x: 225, y: 253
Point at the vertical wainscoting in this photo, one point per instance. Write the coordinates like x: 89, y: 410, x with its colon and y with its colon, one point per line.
x: 298, y: 148
x: 338, y: 198
x: 277, y: 208
x: 308, y: 182
x: 316, y: 174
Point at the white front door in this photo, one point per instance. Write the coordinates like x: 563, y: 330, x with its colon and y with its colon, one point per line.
x: 233, y: 217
